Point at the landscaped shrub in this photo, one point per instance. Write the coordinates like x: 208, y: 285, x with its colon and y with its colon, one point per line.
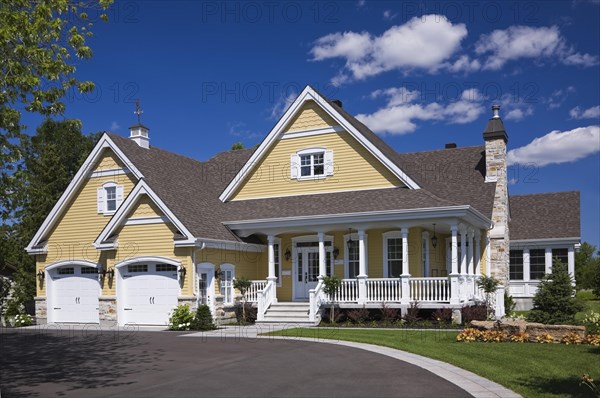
x: 592, y: 339
x: 22, y: 320
x: 442, y: 315
x: 388, y: 314
x: 181, y: 318
x: 509, y: 303
x: 474, y: 313
x: 250, y: 313
x: 519, y: 337
x: 359, y: 315
x: 242, y: 284
x: 469, y: 335
x: 412, y: 313
x: 553, y: 302
x: 203, y: 319
x: 571, y: 338
x: 591, y: 320
x: 545, y: 338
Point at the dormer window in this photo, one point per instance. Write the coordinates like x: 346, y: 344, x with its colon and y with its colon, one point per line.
x: 109, y: 198
x: 311, y: 163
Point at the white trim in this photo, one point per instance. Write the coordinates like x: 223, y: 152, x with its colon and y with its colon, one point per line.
x: 230, y: 245
x: 76, y: 183
x: 109, y: 173
x: 58, y: 264
x: 306, y: 95
x: 545, y: 242
x: 425, y: 254
x: 228, y: 267
x: 354, y: 236
x: 210, y: 288
x: 316, y: 193
x: 278, y: 267
x: 146, y: 220
x: 140, y: 189
x: 310, y: 133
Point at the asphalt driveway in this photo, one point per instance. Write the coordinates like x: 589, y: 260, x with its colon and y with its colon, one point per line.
x: 76, y: 363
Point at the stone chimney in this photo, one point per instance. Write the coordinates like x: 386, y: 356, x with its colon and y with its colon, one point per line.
x: 139, y: 134
x: 496, y: 138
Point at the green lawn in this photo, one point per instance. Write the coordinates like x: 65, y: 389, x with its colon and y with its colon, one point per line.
x: 532, y: 370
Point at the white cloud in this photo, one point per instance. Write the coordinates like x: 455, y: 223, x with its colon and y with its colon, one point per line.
x: 281, y: 104
x: 556, y: 99
x: 590, y: 113
x: 388, y: 15
x: 463, y: 64
x: 517, y: 42
x: 421, y: 43
x: 518, y: 114
x: 558, y: 147
x: 360, y: 3
x: 114, y: 126
x: 400, y: 114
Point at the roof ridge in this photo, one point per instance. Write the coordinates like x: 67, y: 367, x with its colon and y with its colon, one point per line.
x: 544, y: 193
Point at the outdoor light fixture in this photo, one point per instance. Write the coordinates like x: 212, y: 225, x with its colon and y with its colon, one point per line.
x: 41, y: 275
x: 287, y: 254
x: 434, y: 238
x: 218, y: 273
x: 336, y: 253
x: 110, y: 272
x: 182, y: 271
x: 350, y: 242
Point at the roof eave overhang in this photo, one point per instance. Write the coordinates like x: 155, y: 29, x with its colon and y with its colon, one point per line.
x: 356, y: 220
x: 573, y: 240
x: 206, y: 243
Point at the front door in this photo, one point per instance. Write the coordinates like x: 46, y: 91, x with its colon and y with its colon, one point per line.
x: 306, y: 271
x: 206, y: 287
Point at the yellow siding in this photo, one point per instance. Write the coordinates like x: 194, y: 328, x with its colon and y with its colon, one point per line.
x: 354, y: 169
x: 78, y: 226
x: 145, y: 208
x: 154, y: 240
x: 310, y: 117
x: 109, y: 161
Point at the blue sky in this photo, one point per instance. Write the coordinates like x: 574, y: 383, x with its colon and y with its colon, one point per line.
x: 421, y: 74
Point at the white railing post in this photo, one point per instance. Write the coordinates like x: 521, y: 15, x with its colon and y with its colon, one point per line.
x: 362, y: 289
x: 260, y: 310
x: 312, y: 305
x: 499, y: 310
x: 405, y: 289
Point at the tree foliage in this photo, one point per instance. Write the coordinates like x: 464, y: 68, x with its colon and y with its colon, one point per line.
x: 331, y: 285
x: 554, y: 301
x: 587, y: 266
x: 242, y: 284
x: 237, y: 146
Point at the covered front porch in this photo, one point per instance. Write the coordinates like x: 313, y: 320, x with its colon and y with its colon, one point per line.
x: 433, y: 261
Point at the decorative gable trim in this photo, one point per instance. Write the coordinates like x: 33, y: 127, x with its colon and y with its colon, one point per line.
x: 309, y: 94
x: 120, y: 218
x: 76, y: 183
x: 307, y: 133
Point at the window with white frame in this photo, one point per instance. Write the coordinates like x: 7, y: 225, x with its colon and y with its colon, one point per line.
x: 109, y: 197
x: 392, y: 254
x: 311, y: 163
x: 561, y: 255
x: 228, y: 273
x: 516, y: 265
x: 537, y: 263
x: 351, y: 256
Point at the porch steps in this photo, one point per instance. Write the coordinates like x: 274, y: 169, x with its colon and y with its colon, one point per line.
x: 288, y: 313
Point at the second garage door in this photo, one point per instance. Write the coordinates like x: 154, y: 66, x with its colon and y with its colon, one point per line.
x: 149, y: 293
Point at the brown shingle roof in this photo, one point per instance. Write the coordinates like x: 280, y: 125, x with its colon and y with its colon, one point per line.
x: 545, y: 216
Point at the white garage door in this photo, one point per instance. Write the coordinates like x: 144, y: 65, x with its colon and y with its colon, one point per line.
x: 150, y: 293
x: 75, y: 290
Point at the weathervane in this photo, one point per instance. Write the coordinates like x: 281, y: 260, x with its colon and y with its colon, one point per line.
x: 138, y: 110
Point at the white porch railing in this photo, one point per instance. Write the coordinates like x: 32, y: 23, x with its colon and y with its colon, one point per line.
x: 429, y: 289
x: 316, y: 299
x: 348, y: 292
x: 265, y: 298
x: 252, y: 293
x: 383, y: 290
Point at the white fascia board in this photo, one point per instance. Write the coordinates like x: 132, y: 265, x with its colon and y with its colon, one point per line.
x: 119, y: 217
x: 520, y: 243
x: 469, y: 212
x: 85, y: 263
x: 309, y: 94
x: 76, y: 183
x: 230, y: 245
x: 309, y: 133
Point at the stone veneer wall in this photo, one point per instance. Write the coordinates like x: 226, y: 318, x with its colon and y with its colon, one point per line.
x: 41, y: 310
x: 107, y: 306
x: 225, y: 314
x: 495, y: 153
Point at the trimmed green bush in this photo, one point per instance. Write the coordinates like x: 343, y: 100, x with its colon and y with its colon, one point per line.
x: 554, y: 301
x: 181, y: 318
x: 203, y: 319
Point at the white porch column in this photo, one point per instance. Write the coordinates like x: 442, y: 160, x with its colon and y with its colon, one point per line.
x: 322, y: 265
x: 477, y: 252
x: 488, y: 257
x: 463, y: 251
x: 548, y: 260
x: 405, y: 277
x: 362, y: 268
x: 571, y: 262
x: 526, y: 265
x: 470, y: 259
x: 454, y: 299
x: 271, y: 262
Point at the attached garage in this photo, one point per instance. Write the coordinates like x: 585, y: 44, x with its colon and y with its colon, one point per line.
x: 72, y: 291
x: 147, y: 291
